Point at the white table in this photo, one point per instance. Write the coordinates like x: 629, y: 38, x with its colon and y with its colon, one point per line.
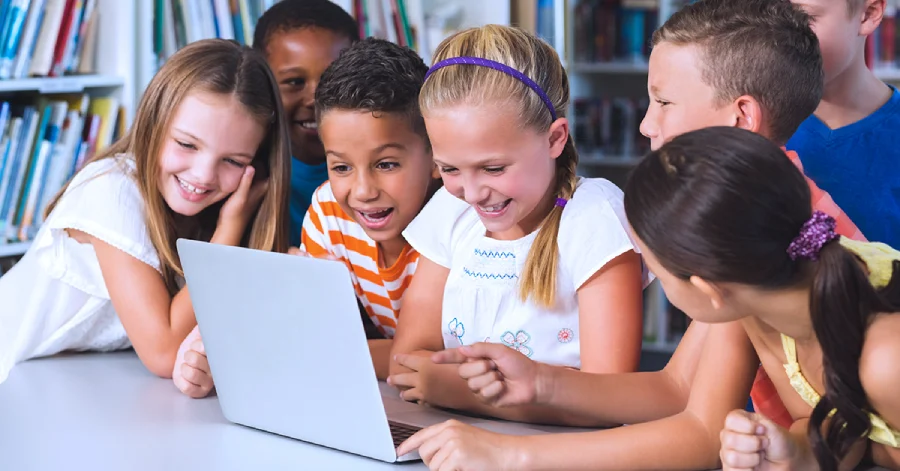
x: 107, y: 412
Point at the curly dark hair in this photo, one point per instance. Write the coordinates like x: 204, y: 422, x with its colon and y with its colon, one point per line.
x: 288, y: 15
x: 377, y: 76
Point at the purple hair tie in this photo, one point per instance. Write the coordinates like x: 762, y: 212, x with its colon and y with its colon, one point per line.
x: 814, y: 234
x: 502, y: 68
x: 561, y: 202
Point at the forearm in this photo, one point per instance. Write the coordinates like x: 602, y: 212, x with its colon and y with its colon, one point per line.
x: 160, y: 359
x: 678, y: 442
x: 380, y: 349
x: 228, y: 234
x: 450, y: 391
x: 626, y: 398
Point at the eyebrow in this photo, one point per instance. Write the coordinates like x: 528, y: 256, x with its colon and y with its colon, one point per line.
x: 291, y: 70
x: 200, y: 141
x: 489, y: 162
x: 381, y: 148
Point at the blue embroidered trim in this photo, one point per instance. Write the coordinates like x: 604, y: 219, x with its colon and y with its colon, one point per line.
x: 489, y: 276
x: 493, y: 254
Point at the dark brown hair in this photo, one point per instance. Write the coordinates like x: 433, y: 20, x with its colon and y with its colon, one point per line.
x: 765, y: 49
x: 724, y: 204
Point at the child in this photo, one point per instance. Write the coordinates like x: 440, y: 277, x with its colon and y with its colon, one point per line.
x: 850, y: 146
x: 515, y: 249
x: 300, y: 38
x: 819, y: 309
x: 753, y: 64
x: 205, y: 159
x: 380, y: 176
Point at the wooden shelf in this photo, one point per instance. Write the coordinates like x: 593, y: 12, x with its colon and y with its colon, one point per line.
x: 66, y: 84
x: 617, y: 68
x: 597, y: 159
x: 14, y: 249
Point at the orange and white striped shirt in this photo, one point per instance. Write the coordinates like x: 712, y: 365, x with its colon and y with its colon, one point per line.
x: 328, y: 230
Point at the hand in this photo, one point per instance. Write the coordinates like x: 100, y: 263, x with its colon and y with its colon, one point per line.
x: 412, y: 384
x: 454, y: 446
x: 498, y: 375
x: 752, y: 442
x: 242, y: 204
x: 300, y: 253
x: 192, y: 374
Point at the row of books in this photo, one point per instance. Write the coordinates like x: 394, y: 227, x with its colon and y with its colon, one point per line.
x: 610, y: 127
x: 664, y: 324
x: 387, y: 19
x: 536, y: 16
x: 44, y: 141
x: 616, y: 30
x: 47, y: 37
x: 179, y: 22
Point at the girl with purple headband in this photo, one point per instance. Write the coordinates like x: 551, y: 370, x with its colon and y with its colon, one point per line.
x: 724, y: 221
x: 515, y: 249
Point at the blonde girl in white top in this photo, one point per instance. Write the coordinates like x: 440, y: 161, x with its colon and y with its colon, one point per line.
x: 206, y: 159
x: 515, y: 249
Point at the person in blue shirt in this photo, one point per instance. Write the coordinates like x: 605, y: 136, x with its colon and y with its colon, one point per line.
x: 300, y: 39
x: 850, y: 146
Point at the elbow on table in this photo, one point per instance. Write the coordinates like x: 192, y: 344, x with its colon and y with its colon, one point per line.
x: 160, y: 363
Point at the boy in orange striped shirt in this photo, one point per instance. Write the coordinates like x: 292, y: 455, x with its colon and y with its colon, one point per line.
x: 380, y: 174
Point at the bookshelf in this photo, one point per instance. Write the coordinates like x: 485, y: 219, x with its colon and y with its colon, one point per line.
x: 65, y: 93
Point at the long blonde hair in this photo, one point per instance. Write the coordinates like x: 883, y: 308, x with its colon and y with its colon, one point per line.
x: 473, y: 85
x: 220, y: 67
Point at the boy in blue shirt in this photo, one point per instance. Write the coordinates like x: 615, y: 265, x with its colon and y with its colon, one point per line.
x: 300, y: 39
x: 850, y: 146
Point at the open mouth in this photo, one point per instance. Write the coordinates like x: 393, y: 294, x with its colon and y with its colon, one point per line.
x: 310, y: 127
x: 191, y: 188
x: 495, y: 209
x: 375, y: 219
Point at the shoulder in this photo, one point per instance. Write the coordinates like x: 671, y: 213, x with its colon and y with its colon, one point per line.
x: 442, y: 227
x: 879, y: 370
x: 108, y: 184
x: 597, y: 203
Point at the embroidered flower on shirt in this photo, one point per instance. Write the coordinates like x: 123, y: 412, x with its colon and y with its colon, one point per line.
x: 565, y: 335
x: 517, y: 341
x: 457, y: 329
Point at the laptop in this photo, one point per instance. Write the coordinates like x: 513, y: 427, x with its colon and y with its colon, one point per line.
x: 287, y: 348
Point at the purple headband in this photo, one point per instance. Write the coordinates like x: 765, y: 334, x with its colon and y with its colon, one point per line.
x: 502, y: 68
x: 814, y: 234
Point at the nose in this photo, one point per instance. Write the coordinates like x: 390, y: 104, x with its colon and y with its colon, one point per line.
x: 473, y: 191
x: 364, y: 187
x: 204, y: 170
x: 308, y: 97
x: 648, y: 127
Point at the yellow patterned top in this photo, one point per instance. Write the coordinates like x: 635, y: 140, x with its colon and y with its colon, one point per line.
x: 879, y: 259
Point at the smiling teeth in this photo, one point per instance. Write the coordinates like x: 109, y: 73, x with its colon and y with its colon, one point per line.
x: 193, y: 189
x: 494, y: 208
x: 310, y: 125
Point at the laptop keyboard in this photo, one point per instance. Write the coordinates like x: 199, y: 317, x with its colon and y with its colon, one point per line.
x: 400, y: 432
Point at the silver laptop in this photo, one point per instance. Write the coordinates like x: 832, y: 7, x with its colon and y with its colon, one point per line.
x: 288, y: 351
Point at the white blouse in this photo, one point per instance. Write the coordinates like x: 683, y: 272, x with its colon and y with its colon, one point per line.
x: 481, y: 301
x: 55, y: 298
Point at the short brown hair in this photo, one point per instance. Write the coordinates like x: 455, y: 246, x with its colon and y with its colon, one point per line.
x: 765, y: 49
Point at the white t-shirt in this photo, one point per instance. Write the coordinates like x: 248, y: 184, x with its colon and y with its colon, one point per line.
x: 55, y: 298
x: 481, y: 301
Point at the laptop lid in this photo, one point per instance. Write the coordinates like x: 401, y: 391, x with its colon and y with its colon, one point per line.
x: 287, y: 347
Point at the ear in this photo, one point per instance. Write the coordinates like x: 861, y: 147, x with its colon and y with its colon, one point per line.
x: 748, y: 114
x: 710, y: 290
x: 872, y: 14
x: 559, y: 135
x: 435, y: 172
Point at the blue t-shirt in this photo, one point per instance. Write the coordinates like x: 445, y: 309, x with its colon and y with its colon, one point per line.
x: 859, y: 165
x: 305, y: 179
